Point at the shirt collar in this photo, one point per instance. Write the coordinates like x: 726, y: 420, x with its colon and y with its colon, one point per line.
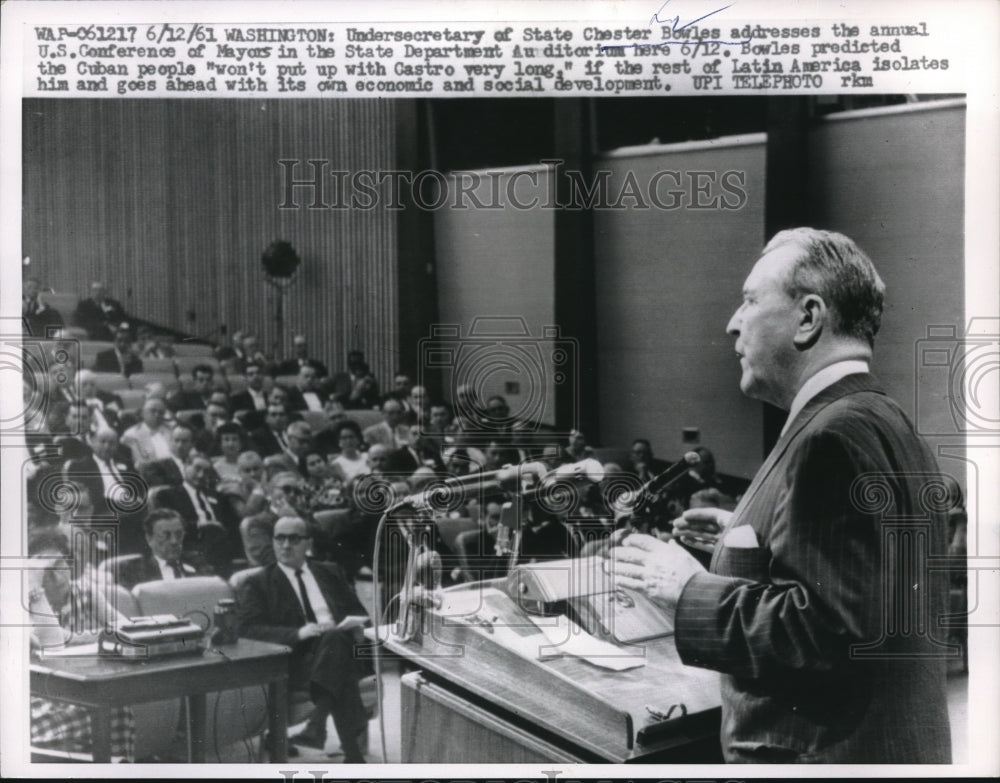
x: 290, y: 572
x: 821, y: 380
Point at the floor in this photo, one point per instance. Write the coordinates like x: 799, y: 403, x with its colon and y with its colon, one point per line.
x: 958, y: 697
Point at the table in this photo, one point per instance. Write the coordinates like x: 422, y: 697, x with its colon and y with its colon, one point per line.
x: 104, y: 683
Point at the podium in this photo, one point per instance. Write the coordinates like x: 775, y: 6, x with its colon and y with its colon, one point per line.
x: 488, y: 686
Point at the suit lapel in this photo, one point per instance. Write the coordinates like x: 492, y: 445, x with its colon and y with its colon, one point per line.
x: 285, y: 597
x: 850, y: 384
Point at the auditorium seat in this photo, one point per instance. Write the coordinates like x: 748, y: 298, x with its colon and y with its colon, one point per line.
x: 185, y: 364
x: 184, y: 417
x: 239, y: 577
x: 364, y: 418
x: 236, y: 383
x: 132, y: 399
x: 141, y: 380
x: 155, y: 364
x: 232, y: 715
x: 198, y: 350
x: 285, y: 380
x: 110, y: 381
x: 317, y: 420
x: 112, y: 564
x: 334, y: 522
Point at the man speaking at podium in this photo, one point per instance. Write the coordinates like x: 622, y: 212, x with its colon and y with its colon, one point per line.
x: 797, y: 611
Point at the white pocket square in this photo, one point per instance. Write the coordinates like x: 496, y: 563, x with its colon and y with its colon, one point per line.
x: 741, y: 537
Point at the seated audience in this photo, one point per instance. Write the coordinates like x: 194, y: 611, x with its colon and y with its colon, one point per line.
x: 39, y: 319
x: 229, y: 444
x: 210, y: 523
x: 270, y: 438
x: 170, y: 470
x: 300, y: 603
x: 105, y: 407
x: 100, y: 315
x: 642, y: 463
x: 164, y: 559
x: 301, y: 359
x: 255, y: 532
x: 121, y: 358
x: 392, y: 432
x: 417, y: 452
x: 351, y: 462
x: 306, y: 395
x: 254, y: 397
x: 81, y: 612
x: 576, y: 447
x: 202, y: 386
x: 326, y: 489
x: 357, y: 385
x: 149, y: 440
x: 102, y: 472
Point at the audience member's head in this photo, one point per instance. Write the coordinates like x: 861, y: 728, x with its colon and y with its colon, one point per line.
x: 355, y: 361
x: 199, y: 473
x: 335, y: 408
x: 401, y: 385
x: 641, y: 452
x: 157, y: 390
x: 202, y: 378
x: 392, y: 412
x: 103, y: 442
x: 301, y: 346
x: 313, y: 465
x: 276, y: 417
x: 306, y: 378
x: 97, y: 291
x: 298, y: 434
x: 440, y: 417
x: 706, y: 467
x: 123, y: 338
x: 219, y: 397
x: 278, y: 396
x: 153, y: 412
x: 254, y: 373
x: 291, y: 541
x: 230, y: 437
x: 79, y: 420
x: 164, y: 530
x: 181, y: 441
x: 86, y: 384
x: 418, y: 398
x: 348, y: 437
x: 497, y: 410
x: 377, y: 456
x: 30, y: 287
x: 250, y: 467
x: 576, y: 444
x: 420, y: 478
x: 216, y: 414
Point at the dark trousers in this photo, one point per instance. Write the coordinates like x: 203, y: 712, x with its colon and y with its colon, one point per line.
x: 331, y: 672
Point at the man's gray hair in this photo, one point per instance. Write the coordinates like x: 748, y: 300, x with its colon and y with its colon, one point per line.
x: 833, y: 267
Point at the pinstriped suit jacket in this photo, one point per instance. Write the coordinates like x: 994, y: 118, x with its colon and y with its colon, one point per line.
x: 810, y: 628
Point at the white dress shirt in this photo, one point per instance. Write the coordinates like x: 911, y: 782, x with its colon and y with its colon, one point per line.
x: 167, y: 573
x: 316, y: 599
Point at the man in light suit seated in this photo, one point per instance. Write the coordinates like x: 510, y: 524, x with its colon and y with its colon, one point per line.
x: 310, y: 607
x: 165, y: 560
x: 392, y: 432
x: 149, y: 440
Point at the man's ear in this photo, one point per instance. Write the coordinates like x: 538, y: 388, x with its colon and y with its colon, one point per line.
x: 812, y: 319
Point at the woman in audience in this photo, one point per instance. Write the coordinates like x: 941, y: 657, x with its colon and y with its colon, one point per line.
x: 78, y: 605
x: 229, y: 443
x: 350, y: 463
x: 325, y: 489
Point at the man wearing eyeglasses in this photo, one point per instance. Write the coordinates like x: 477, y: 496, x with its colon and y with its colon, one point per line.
x: 305, y: 604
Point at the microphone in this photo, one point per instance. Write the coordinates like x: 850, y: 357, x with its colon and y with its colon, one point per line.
x: 627, y: 502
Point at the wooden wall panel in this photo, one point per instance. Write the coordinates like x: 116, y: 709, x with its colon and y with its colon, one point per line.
x: 173, y: 202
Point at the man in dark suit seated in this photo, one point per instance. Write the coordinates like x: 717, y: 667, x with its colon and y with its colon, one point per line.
x: 301, y: 359
x: 164, y: 531
x: 38, y: 317
x: 120, y: 359
x: 253, y: 398
x: 303, y: 603
x: 100, y: 314
x: 305, y: 395
x: 200, y: 393
x: 210, y: 522
x: 270, y: 439
x: 807, y: 609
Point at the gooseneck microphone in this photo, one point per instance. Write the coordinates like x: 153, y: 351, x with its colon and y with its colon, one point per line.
x: 628, y: 502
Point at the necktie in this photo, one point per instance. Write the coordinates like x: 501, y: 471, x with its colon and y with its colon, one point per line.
x: 178, y: 571
x: 205, y: 507
x: 114, y: 471
x: 310, y: 614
